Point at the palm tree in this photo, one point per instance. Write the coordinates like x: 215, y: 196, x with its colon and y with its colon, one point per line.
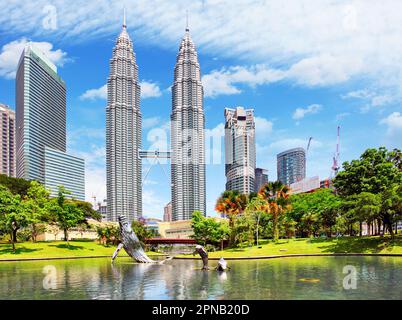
x: 257, y: 205
x: 276, y: 195
x: 231, y: 204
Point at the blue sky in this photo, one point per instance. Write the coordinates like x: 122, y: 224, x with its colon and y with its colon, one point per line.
x: 305, y: 67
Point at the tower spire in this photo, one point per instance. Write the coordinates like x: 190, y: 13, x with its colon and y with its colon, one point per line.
x: 124, y: 18
x: 187, y: 28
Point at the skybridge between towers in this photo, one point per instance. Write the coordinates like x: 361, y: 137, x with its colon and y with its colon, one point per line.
x: 156, y: 155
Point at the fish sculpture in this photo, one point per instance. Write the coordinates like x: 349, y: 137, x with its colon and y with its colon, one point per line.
x: 203, y: 254
x: 222, y: 265
x: 131, y: 244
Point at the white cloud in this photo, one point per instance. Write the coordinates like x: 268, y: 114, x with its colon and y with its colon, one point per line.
x: 394, y: 124
x: 301, y: 112
x: 342, y: 115
x: 95, y: 94
x: 223, y: 82
x: 148, y: 90
x: 263, y: 127
x: 289, y: 143
x: 150, y: 122
x: 370, y: 98
x: 11, y: 53
x: 152, y: 203
x: 316, y: 42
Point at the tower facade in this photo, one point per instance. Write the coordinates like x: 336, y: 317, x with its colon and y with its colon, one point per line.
x: 261, y: 178
x: 291, y: 166
x: 41, y: 127
x: 123, y: 133
x: 40, y: 113
x: 7, y: 141
x: 187, y: 134
x: 240, y: 155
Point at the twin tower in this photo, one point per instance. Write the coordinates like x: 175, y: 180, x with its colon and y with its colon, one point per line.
x: 124, y: 137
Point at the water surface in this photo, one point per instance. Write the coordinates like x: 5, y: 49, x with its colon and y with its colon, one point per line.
x: 289, y: 278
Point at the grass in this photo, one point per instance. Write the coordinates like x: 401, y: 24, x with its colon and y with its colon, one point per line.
x: 56, y: 249
x: 318, y: 245
x: 60, y: 249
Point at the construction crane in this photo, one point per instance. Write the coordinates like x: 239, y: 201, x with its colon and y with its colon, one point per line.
x: 335, y: 165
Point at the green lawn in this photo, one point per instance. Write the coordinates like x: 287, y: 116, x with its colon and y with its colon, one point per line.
x: 56, y: 249
x: 307, y: 246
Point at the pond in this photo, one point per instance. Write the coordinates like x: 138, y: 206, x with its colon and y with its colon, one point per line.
x: 286, y: 278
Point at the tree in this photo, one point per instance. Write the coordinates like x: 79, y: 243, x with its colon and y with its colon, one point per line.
x: 323, y: 207
x: 208, y: 230
x: 244, y: 228
x: 391, y: 207
x: 108, y: 234
x: 276, y: 195
x: 65, y: 214
x: 375, y: 171
x: 88, y: 210
x: 15, y: 185
x: 141, y: 231
x: 231, y: 204
x: 36, y: 202
x: 365, y: 207
x: 12, y: 214
x: 257, y: 207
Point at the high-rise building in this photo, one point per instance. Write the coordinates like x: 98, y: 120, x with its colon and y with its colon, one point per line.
x: 240, y: 150
x: 291, y: 166
x: 187, y: 134
x: 123, y: 133
x: 41, y: 126
x: 261, y: 178
x: 167, y: 212
x: 62, y: 169
x: 102, y: 209
x: 7, y: 141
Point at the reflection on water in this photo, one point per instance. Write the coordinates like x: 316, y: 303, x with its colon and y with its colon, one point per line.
x: 377, y: 278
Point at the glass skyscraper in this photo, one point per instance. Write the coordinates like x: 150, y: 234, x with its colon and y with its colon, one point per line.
x: 261, y: 178
x: 41, y: 119
x: 123, y: 133
x: 66, y: 170
x: 7, y: 141
x: 187, y: 134
x: 291, y: 166
x: 240, y: 154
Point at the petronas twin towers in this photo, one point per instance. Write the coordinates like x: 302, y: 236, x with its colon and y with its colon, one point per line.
x: 123, y: 133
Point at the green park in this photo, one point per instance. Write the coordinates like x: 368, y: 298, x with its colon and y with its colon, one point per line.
x: 356, y: 216
x: 366, y: 194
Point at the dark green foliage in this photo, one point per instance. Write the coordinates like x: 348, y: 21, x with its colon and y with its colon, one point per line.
x: 15, y: 185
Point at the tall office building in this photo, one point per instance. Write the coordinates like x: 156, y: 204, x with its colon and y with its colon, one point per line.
x: 261, y: 178
x: 187, y: 134
x: 62, y: 169
x: 240, y: 150
x: 7, y: 141
x: 41, y: 126
x: 167, y: 212
x: 291, y: 166
x: 123, y: 133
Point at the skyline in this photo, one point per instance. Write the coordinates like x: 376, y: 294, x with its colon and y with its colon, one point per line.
x: 288, y: 110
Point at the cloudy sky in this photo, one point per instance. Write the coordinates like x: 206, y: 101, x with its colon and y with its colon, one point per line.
x: 305, y: 67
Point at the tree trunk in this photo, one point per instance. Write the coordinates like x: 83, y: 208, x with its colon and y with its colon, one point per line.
x: 14, y: 235
x: 34, y: 233
x: 360, y: 229
x: 275, y: 228
x: 65, y: 235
